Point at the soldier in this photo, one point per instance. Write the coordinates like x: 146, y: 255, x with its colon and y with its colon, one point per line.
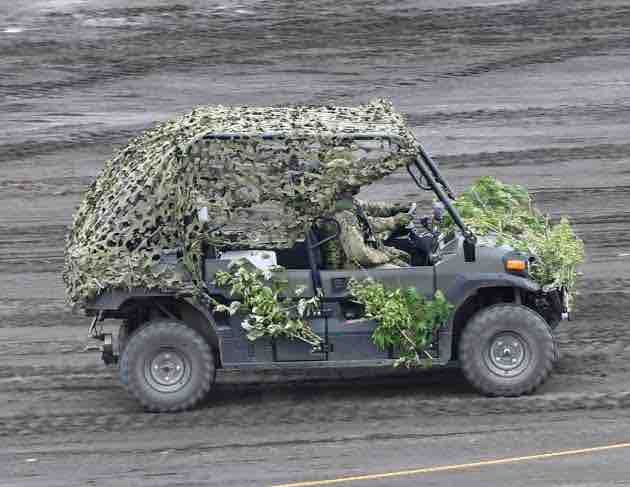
x: 363, y: 227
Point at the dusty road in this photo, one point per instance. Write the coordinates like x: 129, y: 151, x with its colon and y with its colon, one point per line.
x: 532, y: 92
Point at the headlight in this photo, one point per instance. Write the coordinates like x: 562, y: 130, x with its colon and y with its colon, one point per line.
x: 516, y: 265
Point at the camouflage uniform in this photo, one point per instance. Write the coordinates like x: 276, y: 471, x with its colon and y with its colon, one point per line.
x: 351, y: 250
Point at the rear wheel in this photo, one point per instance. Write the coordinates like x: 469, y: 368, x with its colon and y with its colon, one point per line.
x: 167, y: 366
x: 121, y: 343
x: 122, y: 338
x: 507, y: 350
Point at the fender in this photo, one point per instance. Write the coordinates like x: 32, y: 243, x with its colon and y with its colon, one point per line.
x: 194, y: 314
x: 113, y: 299
x: 465, y: 286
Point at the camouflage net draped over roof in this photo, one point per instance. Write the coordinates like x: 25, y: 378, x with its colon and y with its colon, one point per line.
x: 263, y: 173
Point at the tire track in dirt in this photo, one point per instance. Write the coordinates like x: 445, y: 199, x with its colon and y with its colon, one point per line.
x: 586, y: 47
x: 538, y: 156
x: 584, y: 30
x: 499, y: 116
x: 38, y: 348
x: 55, y: 186
x: 10, y: 152
x: 254, y: 443
x: 294, y: 414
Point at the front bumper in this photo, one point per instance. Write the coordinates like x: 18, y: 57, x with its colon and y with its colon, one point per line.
x: 554, y: 305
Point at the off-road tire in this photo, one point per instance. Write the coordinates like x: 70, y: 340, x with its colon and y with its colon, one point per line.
x: 174, y: 343
x: 122, y: 338
x: 121, y: 343
x: 486, y: 330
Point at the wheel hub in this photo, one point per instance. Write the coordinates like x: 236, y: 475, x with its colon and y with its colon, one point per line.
x: 507, y: 354
x: 167, y: 368
x: 167, y: 371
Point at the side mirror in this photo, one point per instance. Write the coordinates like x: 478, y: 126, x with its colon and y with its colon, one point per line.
x: 470, y: 250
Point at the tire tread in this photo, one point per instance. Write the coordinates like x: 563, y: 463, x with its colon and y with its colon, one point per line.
x: 137, y: 339
x: 483, y: 319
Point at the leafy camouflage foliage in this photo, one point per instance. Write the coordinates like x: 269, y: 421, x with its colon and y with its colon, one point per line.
x: 263, y: 173
x: 507, y: 211
x: 261, y: 299
x: 406, y: 319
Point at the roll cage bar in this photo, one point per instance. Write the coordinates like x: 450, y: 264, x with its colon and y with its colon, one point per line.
x: 439, y: 186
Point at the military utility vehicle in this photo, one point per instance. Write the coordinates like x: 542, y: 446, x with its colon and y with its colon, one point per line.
x: 191, y: 195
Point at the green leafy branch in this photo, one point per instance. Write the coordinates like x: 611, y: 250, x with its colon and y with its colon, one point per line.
x: 406, y: 319
x: 507, y: 211
x: 269, y: 313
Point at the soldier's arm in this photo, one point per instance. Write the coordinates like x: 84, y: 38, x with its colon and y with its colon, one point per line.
x: 387, y: 225
x: 398, y: 255
x: 382, y: 209
x: 355, y: 248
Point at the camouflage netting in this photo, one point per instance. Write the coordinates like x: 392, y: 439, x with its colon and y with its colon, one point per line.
x: 264, y: 174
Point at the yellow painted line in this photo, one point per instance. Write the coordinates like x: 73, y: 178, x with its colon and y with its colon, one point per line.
x: 461, y: 466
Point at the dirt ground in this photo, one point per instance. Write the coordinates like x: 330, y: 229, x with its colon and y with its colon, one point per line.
x: 531, y: 92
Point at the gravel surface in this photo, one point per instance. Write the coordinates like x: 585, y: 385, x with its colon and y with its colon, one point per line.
x: 531, y: 92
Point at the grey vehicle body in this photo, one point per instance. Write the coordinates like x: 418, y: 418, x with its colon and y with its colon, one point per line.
x: 470, y: 272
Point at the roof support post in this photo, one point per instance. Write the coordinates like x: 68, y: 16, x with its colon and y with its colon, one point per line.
x: 444, y: 198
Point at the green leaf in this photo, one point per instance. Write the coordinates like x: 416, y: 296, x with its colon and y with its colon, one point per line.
x: 406, y: 319
x: 268, y: 314
x: 507, y: 211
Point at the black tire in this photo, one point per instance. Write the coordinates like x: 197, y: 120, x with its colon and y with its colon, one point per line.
x: 121, y: 344
x: 167, y: 366
x: 507, y: 350
x: 123, y: 338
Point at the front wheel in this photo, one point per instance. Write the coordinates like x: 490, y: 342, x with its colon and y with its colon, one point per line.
x: 167, y: 366
x: 506, y: 350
